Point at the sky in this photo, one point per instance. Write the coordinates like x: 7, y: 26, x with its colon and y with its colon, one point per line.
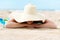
x: 19, y: 4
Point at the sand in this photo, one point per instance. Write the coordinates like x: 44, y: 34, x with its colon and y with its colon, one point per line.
x: 32, y: 34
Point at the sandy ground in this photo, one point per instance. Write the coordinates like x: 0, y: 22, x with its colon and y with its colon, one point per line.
x: 32, y: 34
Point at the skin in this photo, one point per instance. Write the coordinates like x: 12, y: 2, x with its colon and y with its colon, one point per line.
x: 13, y: 24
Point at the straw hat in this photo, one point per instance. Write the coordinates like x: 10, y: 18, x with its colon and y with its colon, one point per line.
x: 29, y: 14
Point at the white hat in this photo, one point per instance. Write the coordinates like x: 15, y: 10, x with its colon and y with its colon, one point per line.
x: 30, y: 14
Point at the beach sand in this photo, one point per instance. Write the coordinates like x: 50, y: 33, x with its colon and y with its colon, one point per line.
x: 32, y: 34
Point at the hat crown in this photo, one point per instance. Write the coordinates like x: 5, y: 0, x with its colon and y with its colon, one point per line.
x: 30, y: 9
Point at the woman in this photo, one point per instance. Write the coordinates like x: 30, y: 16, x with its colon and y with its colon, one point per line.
x: 13, y: 24
x: 29, y: 18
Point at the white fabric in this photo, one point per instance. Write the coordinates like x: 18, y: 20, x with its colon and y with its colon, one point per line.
x: 29, y: 14
x: 21, y: 17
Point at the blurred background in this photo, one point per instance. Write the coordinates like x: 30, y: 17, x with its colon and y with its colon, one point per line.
x: 50, y: 8
x: 19, y: 4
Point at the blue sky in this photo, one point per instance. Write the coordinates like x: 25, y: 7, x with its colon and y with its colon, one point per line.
x: 40, y: 4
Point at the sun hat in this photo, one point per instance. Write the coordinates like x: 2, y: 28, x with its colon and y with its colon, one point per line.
x: 30, y: 13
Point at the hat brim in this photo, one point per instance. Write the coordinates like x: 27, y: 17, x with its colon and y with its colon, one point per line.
x: 22, y: 17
